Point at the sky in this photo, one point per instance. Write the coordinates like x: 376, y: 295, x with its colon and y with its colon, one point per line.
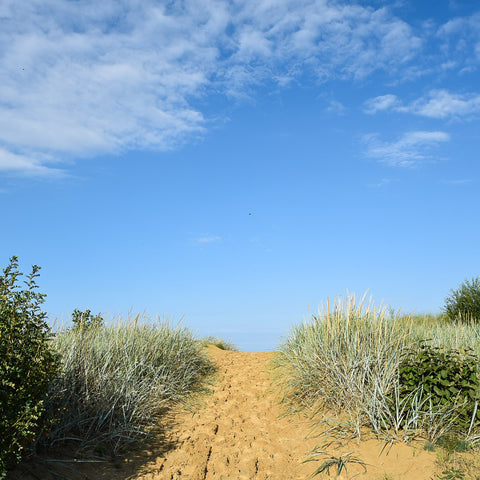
x: 231, y: 165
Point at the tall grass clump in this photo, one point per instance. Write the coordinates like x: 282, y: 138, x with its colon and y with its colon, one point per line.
x: 371, y: 367
x: 344, y: 358
x: 117, y: 379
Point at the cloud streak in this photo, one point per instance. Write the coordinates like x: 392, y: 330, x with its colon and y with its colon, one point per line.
x: 208, y: 239
x: 440, y: 104
x: 409, y: 150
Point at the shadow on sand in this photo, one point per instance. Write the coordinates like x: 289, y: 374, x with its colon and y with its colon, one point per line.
x: 69, y: 462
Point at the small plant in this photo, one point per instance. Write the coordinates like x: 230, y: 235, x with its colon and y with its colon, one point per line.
x: 452, y: 474
x: 27, y: 363
x: 85, y: 320
x: 219, y: 343
x: 429, y: 447
x: 464, y: 302
x: 339, y: 463
x: 454, y: 443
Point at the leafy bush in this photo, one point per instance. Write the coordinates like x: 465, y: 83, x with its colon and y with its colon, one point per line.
x: 85, y: 320
x: 464, y: 302
x: 27, y: 363
x: 448, y: 378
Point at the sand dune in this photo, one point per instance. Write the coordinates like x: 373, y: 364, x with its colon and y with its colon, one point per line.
x: 239, y: 433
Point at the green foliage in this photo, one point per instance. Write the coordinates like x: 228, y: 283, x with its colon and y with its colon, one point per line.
x: 464, y: 302
x: 454, y: 443
x: 348, y: 360
x: 452, y: 474
x: 449, y: 378
x: 85, y: 320
x: 27, y: 363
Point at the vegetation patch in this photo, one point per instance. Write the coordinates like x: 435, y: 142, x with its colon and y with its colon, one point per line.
x: 448, y: 379
x: 371, y: 367
x: 219, y: 343
x: 96, y: 385
x: 117, y: 379
x: 463, y: 303
x: 28, y: 363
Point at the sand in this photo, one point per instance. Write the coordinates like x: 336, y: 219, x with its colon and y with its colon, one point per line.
x: 240, y: 432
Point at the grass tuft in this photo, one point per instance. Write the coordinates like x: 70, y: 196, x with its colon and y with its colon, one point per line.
x: 116, y: 381
x: 219, y: 343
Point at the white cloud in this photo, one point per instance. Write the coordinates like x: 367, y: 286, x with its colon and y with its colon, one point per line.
x: 336, y: 107
x: 409, y: 150
x: 461, y: 40
x: 26, y: 165
x: 209, y: 239
x: 443, y: 104
x: 381, y: 183
x: 82, y: 78
x: 462, y: 181
x: 380, y: 103
x: 439, y: 104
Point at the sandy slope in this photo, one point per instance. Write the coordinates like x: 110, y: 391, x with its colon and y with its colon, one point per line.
x: 239, y: 433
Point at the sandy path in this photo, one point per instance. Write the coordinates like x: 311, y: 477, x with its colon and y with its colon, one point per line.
x: 240, y: 434
x: 237, y: 434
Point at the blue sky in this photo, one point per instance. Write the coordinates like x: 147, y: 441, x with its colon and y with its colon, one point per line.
x: 236, y: 163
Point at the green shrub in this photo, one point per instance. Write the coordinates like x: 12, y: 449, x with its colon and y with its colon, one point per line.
x: 27, y: 363
x: 464, y: 302
x: 85, y: 320
x: 448, y: 378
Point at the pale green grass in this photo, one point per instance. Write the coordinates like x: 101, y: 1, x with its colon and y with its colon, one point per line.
x: 117, y: 380
x: 345, y: 361
x: 220, y: 343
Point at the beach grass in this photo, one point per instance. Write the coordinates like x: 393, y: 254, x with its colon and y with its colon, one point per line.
x: 118, y: 379
x: 347, y: 359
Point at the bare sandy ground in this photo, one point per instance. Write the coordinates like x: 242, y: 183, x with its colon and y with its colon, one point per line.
x: 238, y: 432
